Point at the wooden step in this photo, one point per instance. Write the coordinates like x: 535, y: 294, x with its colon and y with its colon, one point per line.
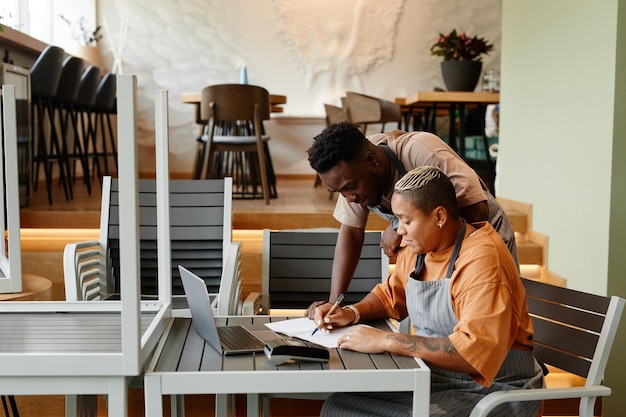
x: 519, y: 214
x: 530, y: 252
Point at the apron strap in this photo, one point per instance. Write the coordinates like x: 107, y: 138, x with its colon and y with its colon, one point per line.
x: 394, y: 159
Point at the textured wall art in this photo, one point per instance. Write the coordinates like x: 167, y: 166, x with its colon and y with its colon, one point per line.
x: 334, y: 42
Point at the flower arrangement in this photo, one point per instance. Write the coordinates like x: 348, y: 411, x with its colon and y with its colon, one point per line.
x: 83, y: 36
x: 460, y: 47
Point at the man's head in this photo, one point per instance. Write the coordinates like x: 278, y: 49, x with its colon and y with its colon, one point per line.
x: 338, y: 142
x: 349, y: 163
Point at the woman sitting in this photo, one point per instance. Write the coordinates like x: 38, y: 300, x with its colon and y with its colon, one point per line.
x: 460, y: 287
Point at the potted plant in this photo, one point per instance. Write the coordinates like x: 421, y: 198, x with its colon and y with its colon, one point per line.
x: 87, y: 40
x: 462, y: 59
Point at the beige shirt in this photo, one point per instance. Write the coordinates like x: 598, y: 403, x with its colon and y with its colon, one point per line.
x: 417, y: 149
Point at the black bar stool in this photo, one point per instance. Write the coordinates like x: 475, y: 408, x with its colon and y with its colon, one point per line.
x: 63, y: 103
x: 89, y: 81
x: 103, y: 107
x: 44, y: 79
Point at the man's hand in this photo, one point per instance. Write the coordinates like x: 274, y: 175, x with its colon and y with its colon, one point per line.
x: 390, y: 242
x: 310, y: 312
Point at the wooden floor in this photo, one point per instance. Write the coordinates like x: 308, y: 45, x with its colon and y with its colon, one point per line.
x: 298, y: 205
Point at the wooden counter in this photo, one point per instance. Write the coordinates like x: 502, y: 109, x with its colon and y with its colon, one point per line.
x: 23, y: 49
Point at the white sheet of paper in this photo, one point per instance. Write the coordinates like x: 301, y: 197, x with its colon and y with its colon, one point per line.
x: 303, y: 327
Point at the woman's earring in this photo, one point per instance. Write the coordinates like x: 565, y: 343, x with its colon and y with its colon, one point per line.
x: 440, y: 225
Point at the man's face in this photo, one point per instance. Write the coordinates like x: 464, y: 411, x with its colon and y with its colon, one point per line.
x: 357, y: 181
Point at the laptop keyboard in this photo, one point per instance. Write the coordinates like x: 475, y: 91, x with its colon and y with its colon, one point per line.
x: 238, y: 338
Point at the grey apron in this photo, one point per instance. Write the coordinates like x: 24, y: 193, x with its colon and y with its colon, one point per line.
x: 453, y: 394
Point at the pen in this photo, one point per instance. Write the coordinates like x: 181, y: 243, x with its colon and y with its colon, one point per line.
x: 332, y: 309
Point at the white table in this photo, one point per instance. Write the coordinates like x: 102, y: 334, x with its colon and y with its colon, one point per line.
x: 71, y: 348
x: 183, y: 364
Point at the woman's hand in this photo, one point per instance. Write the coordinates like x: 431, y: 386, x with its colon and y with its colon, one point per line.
x: 364, y: 339
x: 341, y: 317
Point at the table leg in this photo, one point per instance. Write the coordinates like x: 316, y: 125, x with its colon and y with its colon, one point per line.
x: 153, y: 396
x: 118, y: 397
x: 452, y: 128
x: 462, y: 130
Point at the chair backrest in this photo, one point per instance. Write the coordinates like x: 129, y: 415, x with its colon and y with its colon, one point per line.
x: 334, y: 114
x: 11, y: 259
x: 297, y: 267
x: 105, y: 93
x: 69, y: 81
x: 200, y: 232
x: 364, y: 110
x: 89, y: 82
x: 574, y: 330
x: 46, y: 72
x: 232, y: 102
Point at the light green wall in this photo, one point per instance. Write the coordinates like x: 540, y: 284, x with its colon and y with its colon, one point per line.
x: 562, y: 143
x: 556, y: 131
x: 617, y: 236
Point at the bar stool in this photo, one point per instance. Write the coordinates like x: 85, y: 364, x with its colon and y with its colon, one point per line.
x: 44, y: 78
x: 9, y: 401
x: 85, y: 99
x: 63, y: 104
x: 103, y: 107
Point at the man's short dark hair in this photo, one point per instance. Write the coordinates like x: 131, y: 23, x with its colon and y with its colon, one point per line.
x: 338, y: 142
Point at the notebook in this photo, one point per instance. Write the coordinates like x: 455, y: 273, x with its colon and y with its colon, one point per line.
x: 227, y: 340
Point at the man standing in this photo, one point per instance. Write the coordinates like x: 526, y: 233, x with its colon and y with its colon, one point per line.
x: 364, y: 170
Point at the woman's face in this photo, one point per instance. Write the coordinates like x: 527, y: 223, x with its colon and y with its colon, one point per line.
x: 420, y: 231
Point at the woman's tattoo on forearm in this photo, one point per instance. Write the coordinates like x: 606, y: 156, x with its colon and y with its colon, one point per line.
x: 432, y: 344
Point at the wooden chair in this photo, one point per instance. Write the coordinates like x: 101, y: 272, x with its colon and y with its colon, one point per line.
x: 236, y: 145
x: 364, y: 110
x: 574, y: 331
x: 200, y: 239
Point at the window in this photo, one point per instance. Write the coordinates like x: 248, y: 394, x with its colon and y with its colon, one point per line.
x: 41, y: 18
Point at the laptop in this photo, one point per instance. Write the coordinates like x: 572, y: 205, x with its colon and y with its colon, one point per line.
x: 227, y: 340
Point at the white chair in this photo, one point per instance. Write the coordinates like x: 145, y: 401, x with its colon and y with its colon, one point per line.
x: 574, y: 331
x: 200, y: 238
x: 11, y: 257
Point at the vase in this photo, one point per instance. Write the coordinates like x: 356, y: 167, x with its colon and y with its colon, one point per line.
x: 91, y: 54
x: 461, y: 75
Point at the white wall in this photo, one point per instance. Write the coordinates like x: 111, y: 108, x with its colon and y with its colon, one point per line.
x: 184, y: 45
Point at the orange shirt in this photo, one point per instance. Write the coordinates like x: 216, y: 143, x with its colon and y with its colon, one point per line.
x: 486, y: 293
